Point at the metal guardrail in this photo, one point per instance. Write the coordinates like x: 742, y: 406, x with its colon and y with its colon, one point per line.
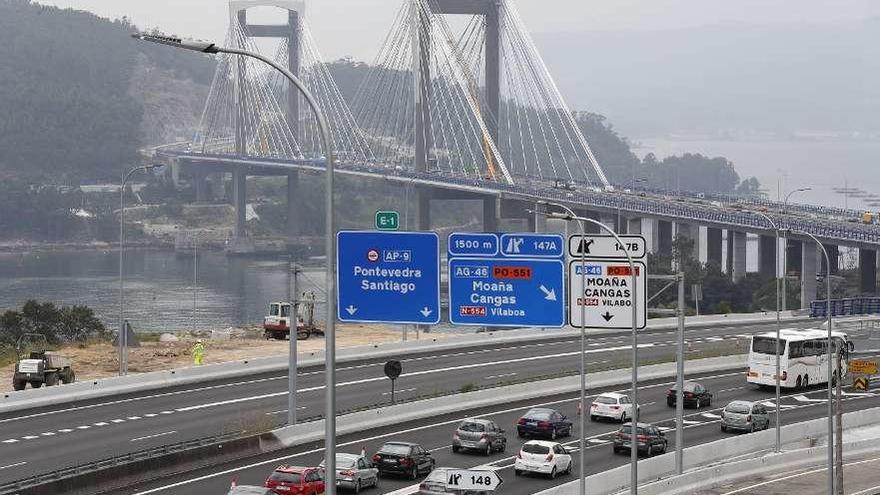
x: 90, y: 467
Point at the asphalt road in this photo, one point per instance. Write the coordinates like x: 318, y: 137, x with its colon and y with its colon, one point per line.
x: 34, y: 442
x: 701, y: 426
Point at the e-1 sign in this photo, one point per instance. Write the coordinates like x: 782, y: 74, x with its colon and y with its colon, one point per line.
x: 472, y: 479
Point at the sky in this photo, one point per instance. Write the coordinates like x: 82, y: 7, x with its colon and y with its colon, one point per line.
x: 356, y: 27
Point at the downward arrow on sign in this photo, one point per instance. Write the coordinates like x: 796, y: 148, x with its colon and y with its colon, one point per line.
x: 426, y: 312
x: 607, y: 316
x: 351, y: 309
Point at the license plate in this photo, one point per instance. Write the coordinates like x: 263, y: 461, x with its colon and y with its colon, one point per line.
x: 532, y: 423
x: 391, y: 461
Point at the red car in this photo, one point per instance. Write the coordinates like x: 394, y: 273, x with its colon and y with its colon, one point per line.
x: 298, y: 480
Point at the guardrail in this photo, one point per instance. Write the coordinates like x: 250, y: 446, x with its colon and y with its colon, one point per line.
x: 133, y: 383
x: 851, y: 306
x: 110, y: 462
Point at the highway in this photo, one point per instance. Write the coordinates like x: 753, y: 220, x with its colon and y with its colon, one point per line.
x: 69, y: 434
x: 435, y: 434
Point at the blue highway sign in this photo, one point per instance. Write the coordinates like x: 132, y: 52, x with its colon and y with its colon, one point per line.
x: 519, y: 284
x: 388, y: 277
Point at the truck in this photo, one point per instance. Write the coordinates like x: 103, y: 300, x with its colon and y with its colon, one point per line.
x: 276, y: 325
x: 40, y: 367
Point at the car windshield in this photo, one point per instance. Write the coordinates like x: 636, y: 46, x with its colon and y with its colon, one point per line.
x: 628, y: 428
x: 477, y: 427
x: 394, y: 448
x: 738, y: 408
x: 535, y: 448
x: 437, y: 475
x: 767, y: 345
x: 345, y: 462
x: 606, y: 400
x: 688, y: 387
x: 284, y: 477
x: 538, y: 414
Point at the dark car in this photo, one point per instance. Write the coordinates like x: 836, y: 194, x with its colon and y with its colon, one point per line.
x: 403, y: 458
x: 543, y: 422
x: 649, y: 439
x: 695, y: 395
x: 482, y: 435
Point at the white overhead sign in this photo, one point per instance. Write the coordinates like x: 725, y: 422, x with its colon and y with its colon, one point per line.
x: 606, y: 246
x: 602, y: 285
x: 472, y: 479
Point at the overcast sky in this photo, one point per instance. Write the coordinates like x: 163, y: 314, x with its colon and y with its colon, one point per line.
x: 356, y: 27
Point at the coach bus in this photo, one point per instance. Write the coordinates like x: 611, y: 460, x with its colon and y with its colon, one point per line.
x: 803, y: 357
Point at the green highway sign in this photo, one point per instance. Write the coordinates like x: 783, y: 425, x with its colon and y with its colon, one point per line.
x: 387, y: 220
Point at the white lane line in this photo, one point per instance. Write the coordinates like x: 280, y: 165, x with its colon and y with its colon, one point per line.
x: 48, y: 434
x: 400, y: 391
x: 101, y: 423
x: 150, y: 415
x: 492, y: 377
x: 133, y: 418
x: 65, y: 430
x: 284, y: 411
x: 13, y: 465
x: 690, y: 422
x: 117, y: 421
x: 361, y: 441
x: 597, y: 440
x: 714, y: 339
x: 138, y: 439
x: 803, y: 398
x: 415, y: 373
x: 11, y: 440
x: 84, y: 427
x: 730, y: 389
x: 710, y: 416
x: 797, y: 475
x: 665, y: 428
x: 771, y: 404
x: 435, y: 449
x: 172, y: 412
x: 30, y: 437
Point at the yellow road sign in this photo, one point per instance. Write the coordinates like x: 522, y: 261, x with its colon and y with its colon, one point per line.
x: 862, y: 367
x: 860, y: 383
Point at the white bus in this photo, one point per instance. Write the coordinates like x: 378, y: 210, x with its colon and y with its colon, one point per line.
x: 803, y: 357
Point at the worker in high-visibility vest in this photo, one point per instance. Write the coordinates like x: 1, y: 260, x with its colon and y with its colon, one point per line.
x: 198, y: 352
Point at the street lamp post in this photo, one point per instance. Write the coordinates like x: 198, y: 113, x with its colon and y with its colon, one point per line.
x: 634, y: 451
x: 778, y: 332
x: 122, y: 338
x: 785, y: 249
x: 831, y: 373
x: 330, y: 247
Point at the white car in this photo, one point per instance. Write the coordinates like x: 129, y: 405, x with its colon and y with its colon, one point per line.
x: 538, y: 456
x: 611, y: 405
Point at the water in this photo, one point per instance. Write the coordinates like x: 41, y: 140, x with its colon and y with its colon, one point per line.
x: 230, y: 292
x: 819, y: 164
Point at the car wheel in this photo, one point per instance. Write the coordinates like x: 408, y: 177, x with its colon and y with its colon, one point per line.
x: 623, y: 417
x: 752, y: 427
x: 798, y: 383
x: 455, y: 448
x: 553, y: 434
x: 517, y: 472
x: 19, y: 384
x: 36, y: 384
x: 357, y: 486
x: 488, y: 449
x: 616, y: 450
x: 553, y: 473
x: 414, y: 474
x: 723, y: 428
x: 376, y: 481
x: 592, y: 417
x: 806, y: 381
x: 665, y: 446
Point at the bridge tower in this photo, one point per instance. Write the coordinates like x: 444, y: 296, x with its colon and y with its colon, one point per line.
x: 292, y: 32
x: 490, y: 11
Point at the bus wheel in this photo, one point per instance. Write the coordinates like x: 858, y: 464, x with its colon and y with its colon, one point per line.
x: 798, y: 383
x: 806, y: 381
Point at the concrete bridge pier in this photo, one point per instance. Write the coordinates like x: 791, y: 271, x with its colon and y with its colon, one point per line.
x: 634, y: 226
x: 690, y: 232
x: 714, y: 245
x: 200, y: 184
x: 868, y: 271
x: 293, y: 214
x: 794, y: 249
x: 810, y: 261
x: 767, y: 256
x: 738, y: 254
x: 661, y: 237
x: 239, y: 201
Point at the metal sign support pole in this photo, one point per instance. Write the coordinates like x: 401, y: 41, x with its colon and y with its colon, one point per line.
x: 679, y: 381
x: 291, y: 356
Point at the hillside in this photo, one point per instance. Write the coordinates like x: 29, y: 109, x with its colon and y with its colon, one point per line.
x: 79, y: 96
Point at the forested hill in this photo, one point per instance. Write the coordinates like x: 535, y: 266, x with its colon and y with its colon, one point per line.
x: 75, y: 89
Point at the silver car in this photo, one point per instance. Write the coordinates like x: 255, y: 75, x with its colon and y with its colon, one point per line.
x: 481, y: 435
x: 354, y: 471
x: 744, y: 416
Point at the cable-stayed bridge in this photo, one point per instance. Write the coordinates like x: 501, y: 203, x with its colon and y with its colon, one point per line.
x: 460, y: 105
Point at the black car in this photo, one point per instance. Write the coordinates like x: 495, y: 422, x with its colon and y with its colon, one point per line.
x: 649, y: 439
x: 403, y: 458
x: 543, y: 422
x: 695, y: 395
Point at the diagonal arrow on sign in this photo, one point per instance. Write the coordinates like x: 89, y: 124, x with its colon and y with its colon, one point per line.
x: 549, y: 295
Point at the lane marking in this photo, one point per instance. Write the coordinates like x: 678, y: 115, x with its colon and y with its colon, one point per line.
x: 117, y: 421
x: 30, y: 437
x: 798, y: 475
x: 133, y: 418
x: 101, y: 423
x: 84, y: 427
x: 400, y: 391
x: 11, y: 440
x: 710, y: 416
x: 157, y: 435
x: 504, y: 375
x: 13, y: 465
x: 48, y: 434
x: 65, y: 430
x: 284, y: 411
x: 597, y: 440
x: 803, y: 398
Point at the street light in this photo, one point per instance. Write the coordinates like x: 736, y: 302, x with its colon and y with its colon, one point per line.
x: 634, y: 451
x: 330, y: 248
x: 830, y: 373
x: 778, y: 330
x: 785, y: 250
x: 122, y: 338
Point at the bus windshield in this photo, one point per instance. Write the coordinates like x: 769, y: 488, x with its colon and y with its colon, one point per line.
x: 767, y: 345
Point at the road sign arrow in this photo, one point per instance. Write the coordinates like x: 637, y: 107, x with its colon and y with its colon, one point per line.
x: 426, y: 312
x: 549, y: 295
x: 608, y: 316
x: 351, y: 309
x: 584, y: 246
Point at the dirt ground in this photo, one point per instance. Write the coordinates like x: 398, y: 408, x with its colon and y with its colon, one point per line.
x: 100, y: 360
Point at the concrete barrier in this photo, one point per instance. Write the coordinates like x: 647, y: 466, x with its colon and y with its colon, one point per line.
x: 134, y: 383
x: 710, y: 463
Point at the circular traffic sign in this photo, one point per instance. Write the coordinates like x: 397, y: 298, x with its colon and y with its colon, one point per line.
x: 393, y: 369
x: 373, y: 255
